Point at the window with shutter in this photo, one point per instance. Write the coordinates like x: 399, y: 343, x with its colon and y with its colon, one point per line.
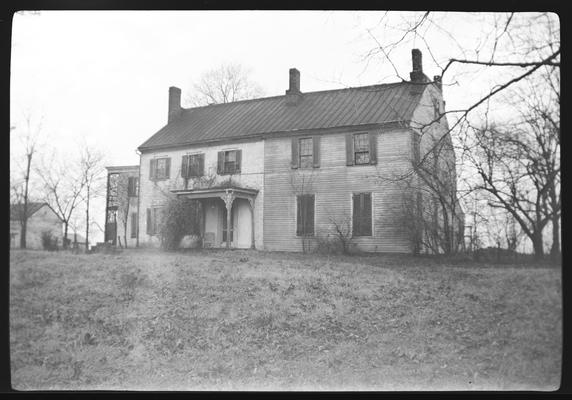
x: 361, y: 148
x: 195, y: 165
x: 305, y: 215
x: 229, y: 162
x: 160, y: 168
x: 362, y: 213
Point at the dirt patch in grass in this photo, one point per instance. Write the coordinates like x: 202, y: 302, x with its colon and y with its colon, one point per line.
x: 251, y: 320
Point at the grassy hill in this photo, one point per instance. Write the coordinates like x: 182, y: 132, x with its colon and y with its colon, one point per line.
x: 249, y: 320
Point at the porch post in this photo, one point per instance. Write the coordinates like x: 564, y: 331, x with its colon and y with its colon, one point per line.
x: 251, y: 201
x: 228, y: 198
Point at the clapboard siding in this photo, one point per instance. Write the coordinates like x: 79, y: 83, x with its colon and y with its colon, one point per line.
x: 333, y: 184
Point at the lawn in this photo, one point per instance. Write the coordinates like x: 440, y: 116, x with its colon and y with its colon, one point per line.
x: 247, y: 320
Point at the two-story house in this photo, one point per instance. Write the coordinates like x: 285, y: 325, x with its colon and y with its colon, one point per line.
x: 283, y: 172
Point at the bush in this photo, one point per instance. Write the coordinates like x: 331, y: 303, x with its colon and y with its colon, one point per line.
x: 181, y: 217
x: 49, y: 241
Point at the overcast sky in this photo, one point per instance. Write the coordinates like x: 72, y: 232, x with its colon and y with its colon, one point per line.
x: 102, y: 77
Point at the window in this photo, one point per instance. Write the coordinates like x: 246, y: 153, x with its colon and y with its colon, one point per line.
x: 306, y: 154
x: 361, y: 214
x: 193, y: 165
x: 159, y: 168
x: 133, y: 225
x: 305, y: 215
x: 153, y: 220
x: 361, y: 149
x: 229, y: 162
x: 132, y: 186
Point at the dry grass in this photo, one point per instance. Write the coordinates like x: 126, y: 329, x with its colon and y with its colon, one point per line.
x: 248, y: 320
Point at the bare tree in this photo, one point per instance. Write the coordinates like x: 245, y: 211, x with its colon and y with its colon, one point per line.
x: 93, y: 174
x: 63, y: 186
x: 224, y: 84
x: 20, y: 187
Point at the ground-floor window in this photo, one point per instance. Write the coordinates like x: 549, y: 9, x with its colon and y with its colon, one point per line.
x: 305, y: 215
x: 361, y: 214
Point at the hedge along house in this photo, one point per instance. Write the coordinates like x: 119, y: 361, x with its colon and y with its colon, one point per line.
x: 280, y: 173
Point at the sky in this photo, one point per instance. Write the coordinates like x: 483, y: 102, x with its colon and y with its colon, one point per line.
x: 102, y: 77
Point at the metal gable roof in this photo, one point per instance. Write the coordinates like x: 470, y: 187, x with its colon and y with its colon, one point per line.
x: 317, y: 110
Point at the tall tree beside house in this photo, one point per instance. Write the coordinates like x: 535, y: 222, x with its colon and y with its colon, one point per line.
x: 20, y: 187
x: 93, y: 172
x: 63, y: 185
x: 224, y: 84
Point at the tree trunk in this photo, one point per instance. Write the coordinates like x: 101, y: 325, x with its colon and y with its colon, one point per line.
x: 537, y: 245
x: 555, y: 250
x: 65, y: 235
x: 25, y: 213
x: 87, y: 221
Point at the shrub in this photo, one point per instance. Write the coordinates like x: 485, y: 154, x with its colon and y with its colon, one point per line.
x: 49, y: 241
x: 180, y: 217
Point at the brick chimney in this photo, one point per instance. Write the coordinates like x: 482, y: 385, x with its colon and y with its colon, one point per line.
x: 174, y: 103
x: 417, y: 75
x: 293, y: 94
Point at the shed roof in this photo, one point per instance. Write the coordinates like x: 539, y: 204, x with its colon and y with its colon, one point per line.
x: 377, y: 104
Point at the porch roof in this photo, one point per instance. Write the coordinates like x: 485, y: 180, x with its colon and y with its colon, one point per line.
x: 216, y: 192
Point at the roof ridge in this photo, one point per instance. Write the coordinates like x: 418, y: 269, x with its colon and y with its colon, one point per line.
x: 377, y: 85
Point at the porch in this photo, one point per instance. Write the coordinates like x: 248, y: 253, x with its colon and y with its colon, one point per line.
x: 228, y: 216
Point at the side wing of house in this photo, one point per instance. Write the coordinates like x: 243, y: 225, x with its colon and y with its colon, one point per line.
x: 204, y: 172
x: 436, y: 164
x: 121, y: 206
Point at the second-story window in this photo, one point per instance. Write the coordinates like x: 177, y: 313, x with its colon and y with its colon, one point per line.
x: 229, y: 162
x: 306, y: 154
x: 132, y: 186
x: 193, y: 165
x: 160, y: 168
x: 361, y: 148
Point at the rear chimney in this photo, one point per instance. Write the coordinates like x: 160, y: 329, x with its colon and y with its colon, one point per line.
x: 174, y: 103
x: 293, y: 94
x: 417, y: 74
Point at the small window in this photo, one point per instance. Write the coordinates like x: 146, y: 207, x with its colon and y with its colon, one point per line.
x: 193, y: 165
x: 229, y: 162
x: 159, y: 168
x: 132, y: 186
x: 133, y: 225
x: 361, y: 214
x: 361, y: 148
x: 306, y: 153
x: 305, y: 215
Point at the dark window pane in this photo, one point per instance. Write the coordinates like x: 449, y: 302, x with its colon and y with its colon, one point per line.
x: 305, y: 215
x: 362, y: 214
